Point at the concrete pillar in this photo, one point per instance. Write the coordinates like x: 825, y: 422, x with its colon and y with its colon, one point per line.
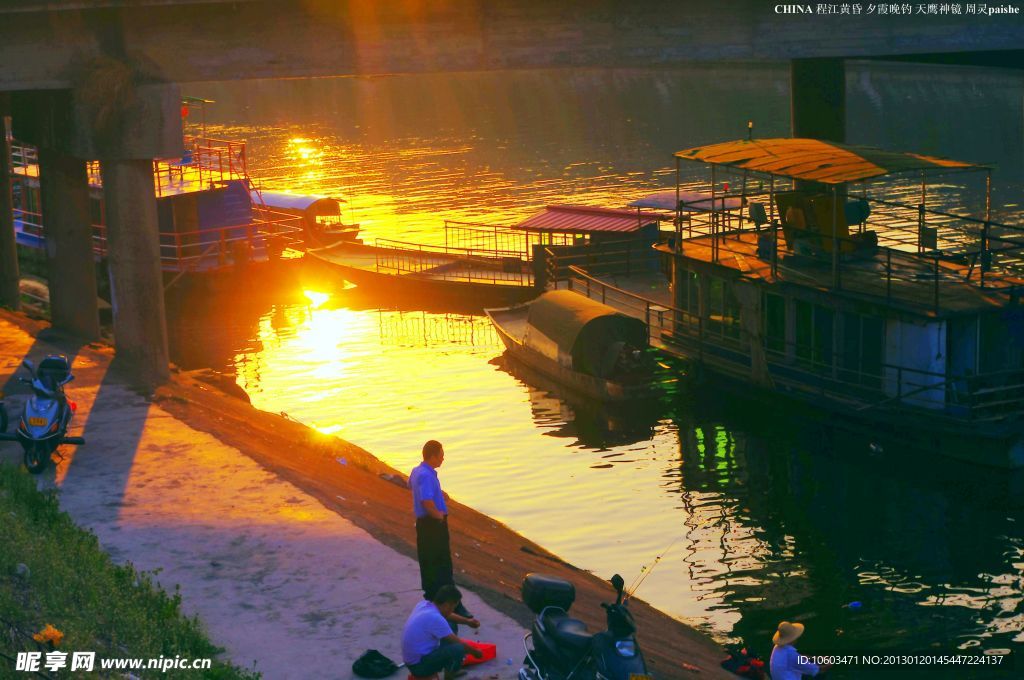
x: 71, y: 271
x: 136, y: 282
x: 9, y: 273
x: 818, y: 99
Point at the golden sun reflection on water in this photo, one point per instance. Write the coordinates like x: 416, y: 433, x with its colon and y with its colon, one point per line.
x: 388, y: 380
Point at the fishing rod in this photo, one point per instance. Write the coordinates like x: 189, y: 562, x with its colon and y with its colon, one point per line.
x: 645, y: 572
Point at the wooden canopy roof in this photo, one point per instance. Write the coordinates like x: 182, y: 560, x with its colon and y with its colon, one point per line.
x: 816, y: 160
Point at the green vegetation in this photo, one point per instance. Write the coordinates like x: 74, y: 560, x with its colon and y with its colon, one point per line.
x: 55, y: 573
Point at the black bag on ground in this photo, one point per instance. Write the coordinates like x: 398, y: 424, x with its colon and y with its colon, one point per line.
x: 373, y: 664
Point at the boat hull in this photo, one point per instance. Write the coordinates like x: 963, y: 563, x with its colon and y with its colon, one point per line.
x: 991, y: 445
x: 580, y: 383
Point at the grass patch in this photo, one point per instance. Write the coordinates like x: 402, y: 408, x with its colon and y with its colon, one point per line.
x: 72, y: 585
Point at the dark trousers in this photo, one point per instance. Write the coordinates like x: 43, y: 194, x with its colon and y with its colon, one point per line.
x: 433, y: 550
x: 447, y: 657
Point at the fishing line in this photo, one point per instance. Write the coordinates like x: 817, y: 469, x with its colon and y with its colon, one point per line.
x: 645, y: 572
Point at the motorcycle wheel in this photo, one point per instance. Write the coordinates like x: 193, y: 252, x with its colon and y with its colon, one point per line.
x: 37, y: 457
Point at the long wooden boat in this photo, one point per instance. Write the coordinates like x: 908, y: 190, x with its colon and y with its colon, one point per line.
x: 406, y: 272
x: 582, y: 344
x: 824, y: 289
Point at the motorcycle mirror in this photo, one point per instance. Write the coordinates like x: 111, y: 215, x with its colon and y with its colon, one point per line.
x: 66, y: 380
x: 27, y: 363
x: 618, y: 584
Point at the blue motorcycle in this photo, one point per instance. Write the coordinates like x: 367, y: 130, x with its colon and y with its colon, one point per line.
x: 44, y: 424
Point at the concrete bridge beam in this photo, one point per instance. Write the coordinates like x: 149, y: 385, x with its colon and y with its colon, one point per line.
x: 147, y: 127
x: 71, y: 270
x: 10, y: 296
x: 818, y: 99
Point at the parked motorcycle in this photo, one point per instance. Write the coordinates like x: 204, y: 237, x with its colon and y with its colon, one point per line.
x: 44, y: 424
x: 560, y: 648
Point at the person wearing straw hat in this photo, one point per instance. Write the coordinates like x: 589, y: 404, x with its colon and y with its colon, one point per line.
x: 785, y: 662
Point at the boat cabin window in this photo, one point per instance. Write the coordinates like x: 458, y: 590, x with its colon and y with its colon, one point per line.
x: 1001, y: 340
x: 688, y: 295
x: 861, y: 349
x: 775, y: 323
x: 723, y: 309
x: 814, y: 334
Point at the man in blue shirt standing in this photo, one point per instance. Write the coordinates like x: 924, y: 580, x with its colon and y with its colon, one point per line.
x: 785, y: 662
x: 433, y: 543
x: 433, y: 548
x: 428, y: 643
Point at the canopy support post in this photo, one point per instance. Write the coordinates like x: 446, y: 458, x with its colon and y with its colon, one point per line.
x: 679, y: 214
x: 713, y: 220
x: 774, y: 226
x: 835, y: 237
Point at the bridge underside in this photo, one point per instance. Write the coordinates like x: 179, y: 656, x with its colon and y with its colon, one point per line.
x: 183, y: 40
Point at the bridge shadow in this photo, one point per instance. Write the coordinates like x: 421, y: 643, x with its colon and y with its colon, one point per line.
x: 47, y: 341
x: 113, y: 431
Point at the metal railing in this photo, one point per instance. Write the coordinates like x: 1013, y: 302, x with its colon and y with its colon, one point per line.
x: 982, y: 253
x: 23, y: 156
x: 614, y: 258
x: 991, y: 396
x: 449, y: 264
x: 502, y: 241
x: 193, y: 250
x: 205, y: 162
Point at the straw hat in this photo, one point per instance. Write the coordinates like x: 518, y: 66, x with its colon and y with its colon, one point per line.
x: 787, y: 633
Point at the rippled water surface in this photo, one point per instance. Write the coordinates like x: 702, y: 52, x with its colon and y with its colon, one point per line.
x: 764, y: 515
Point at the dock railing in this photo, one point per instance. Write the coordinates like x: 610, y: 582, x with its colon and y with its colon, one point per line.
x: 449, y: 264
x: 719, y: 342
x: 495, y: 240
x: 612, y: 258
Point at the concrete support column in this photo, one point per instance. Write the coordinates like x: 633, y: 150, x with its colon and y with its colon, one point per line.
x: 71, y: 270
x: 9, y: 273
x: 818, y: 99
x: 136, y: 282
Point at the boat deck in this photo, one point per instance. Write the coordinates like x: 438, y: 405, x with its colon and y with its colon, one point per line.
x: 512, y: 321
x: 926, y: 286
x: 428, y: 265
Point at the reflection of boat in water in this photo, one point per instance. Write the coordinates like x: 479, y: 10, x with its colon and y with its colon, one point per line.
x: 586, y: 346
x: 562, y: 412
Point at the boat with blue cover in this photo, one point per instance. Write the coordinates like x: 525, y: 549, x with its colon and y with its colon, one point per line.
x: 210, y: 218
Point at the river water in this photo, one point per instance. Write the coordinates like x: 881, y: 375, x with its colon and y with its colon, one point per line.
x: 761, y: 515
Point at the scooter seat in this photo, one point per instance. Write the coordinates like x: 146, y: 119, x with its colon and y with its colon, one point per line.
x: 567, y: 631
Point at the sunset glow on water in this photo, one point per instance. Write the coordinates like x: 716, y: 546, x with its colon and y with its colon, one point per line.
x: 768, y: 518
